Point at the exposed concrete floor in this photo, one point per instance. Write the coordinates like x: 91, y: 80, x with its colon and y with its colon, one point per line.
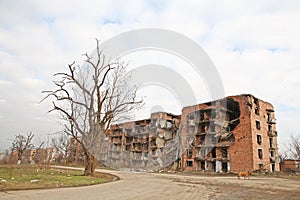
x: 170, y: 186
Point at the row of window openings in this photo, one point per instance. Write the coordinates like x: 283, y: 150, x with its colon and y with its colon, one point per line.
x: 256, y: 110
x: 273, y: 167
x: 203, y: 128
x: 224, y: 153
x: 258, y: 126
x: 260, y: 153
x: 202, y: 140
x: 259, y: 141
x: 189, y: 163
x: 204, y: 152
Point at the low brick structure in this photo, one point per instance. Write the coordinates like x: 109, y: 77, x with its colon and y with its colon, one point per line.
x: 290, y: 164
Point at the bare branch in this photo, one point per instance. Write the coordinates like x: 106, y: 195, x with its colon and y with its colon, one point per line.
x: 91, y: 97
x: 21, y: 143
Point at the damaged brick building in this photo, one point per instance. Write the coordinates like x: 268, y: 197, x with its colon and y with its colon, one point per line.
x: 145, y: 143
x: 237, y: 137
x: 236, y: 133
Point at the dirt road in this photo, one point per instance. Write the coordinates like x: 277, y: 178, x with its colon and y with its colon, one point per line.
x: 170, y: 186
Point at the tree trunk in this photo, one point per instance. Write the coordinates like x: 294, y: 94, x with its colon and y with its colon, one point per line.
x: 19, y: 158
x: 90, y: 164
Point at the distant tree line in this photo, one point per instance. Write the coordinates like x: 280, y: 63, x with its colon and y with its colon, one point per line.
x: 60, y: 149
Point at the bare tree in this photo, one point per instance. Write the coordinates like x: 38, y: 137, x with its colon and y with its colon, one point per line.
x: 62, y: 145
x: 4, y: 156
x: 39, y: 152
x: 90, y: 98
x: 283, y: 156
x: 20, y: 144
x: 294, y: 147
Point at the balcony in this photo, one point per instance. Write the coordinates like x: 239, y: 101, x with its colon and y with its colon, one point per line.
x: 272, y: 133
x: 200, y: 132
x: 198, y: 142
x: 191, y: 122
x: 116, y: 134
x: 271, y: 121
x: 116, y: 140
x: 200, y: 156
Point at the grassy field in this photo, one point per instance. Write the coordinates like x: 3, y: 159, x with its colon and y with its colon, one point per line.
x: 13, y: 177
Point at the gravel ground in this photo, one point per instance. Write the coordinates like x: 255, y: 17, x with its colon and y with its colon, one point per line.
x: 170, y: 186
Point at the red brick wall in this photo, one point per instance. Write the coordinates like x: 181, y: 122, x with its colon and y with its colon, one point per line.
x: 243, y: 154
x: 265, y: 143
x: 240, y: 153
x: 289, y: 164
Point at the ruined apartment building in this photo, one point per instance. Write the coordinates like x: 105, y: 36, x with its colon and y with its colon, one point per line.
x: 236, y: 133
x: 147, y: 143
x: 237, y: 137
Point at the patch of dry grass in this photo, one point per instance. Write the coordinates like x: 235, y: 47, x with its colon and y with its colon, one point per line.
x: 19, y: 177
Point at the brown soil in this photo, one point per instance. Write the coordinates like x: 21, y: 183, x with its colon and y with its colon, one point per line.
x: 143, y: 186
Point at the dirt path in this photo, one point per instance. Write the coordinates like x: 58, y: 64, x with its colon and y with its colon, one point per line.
x: 170, y: 186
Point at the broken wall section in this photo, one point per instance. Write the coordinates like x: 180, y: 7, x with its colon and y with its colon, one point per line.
x: 208, y: 129
x: 148, y: 144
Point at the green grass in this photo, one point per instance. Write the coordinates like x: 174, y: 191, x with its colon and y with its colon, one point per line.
x: 14, y: 177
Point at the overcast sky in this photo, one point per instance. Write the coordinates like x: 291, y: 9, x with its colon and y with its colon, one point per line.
x: 255, y: 46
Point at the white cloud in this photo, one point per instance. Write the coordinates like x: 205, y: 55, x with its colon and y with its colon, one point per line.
x: 255, y: 46
x: 277, y: 31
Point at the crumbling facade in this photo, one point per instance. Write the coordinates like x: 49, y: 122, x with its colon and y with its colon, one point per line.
x: 149, y: 143
x: 237, y: 133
